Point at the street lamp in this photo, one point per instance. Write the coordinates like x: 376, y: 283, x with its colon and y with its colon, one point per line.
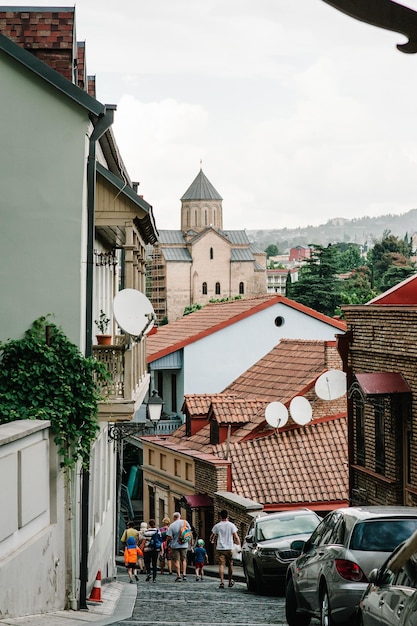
x: 155, y: 404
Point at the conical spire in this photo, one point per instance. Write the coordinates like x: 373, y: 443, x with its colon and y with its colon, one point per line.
x: 201, y: 189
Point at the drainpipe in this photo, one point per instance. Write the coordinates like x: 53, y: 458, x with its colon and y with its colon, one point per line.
x: 102, y: 125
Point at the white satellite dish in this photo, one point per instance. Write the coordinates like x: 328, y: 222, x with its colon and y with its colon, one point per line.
x: 276, y: 414
x: 133, y: 312
x: 301, y: 410
x: 331, y: 385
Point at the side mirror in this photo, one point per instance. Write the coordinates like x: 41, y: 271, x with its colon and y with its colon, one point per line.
x: 249, y: 538
x: 298, y: 545
x: 372, y: 576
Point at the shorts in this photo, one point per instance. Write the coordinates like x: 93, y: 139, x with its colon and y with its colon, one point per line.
x: 199, y: 565
x: 225, y: 557
x: 131, y: 566
x: 179, y: 554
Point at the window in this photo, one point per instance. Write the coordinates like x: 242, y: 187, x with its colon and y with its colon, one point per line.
x: 151, y: 457
x: 161, y: 510
x: 204, y: 289
x: 211, y: 253
x: 174, y: 393
x: 177, y: 467
x: 205, y: 217
x: 217, y: 290
x: 151, y: 493
x: 162, y: 461
x: 379, y: 439
x: 188, y: 473
x: 241, y: 288
x: 360, y: 432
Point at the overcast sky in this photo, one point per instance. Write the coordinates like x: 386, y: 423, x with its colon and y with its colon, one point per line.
x: 298, y: 112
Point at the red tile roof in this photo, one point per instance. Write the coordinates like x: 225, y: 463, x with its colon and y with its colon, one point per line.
x: 295, y: 467
x: 216, y: 316
x: 288, y: 370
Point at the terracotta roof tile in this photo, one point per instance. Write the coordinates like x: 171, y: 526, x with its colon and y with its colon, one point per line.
x: 306, y: 468
x: 214, y: 317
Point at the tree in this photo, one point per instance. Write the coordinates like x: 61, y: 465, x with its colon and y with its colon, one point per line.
x: 272, y: 250
x: 389, y: 251
x: 317, y: 285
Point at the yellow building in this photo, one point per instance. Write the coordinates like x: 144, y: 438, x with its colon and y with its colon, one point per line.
x: 202, y: 262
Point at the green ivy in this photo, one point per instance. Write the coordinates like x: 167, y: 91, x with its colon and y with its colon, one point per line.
x: 44, y: 376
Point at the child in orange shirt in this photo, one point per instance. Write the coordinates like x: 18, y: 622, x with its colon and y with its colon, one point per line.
x: 131, y: 554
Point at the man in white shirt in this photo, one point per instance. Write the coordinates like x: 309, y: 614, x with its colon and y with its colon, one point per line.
x: 224, y: 534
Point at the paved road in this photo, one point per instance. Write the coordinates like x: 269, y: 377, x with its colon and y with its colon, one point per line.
x: 194, y: 603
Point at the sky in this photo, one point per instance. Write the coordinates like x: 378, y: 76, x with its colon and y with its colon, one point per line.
x: 296, y: 112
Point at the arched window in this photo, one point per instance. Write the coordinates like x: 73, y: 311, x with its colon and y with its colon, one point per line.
x: 211, y: 253
x: 204, y: 289
x: 241, y: 288
x: 205, y: 217
x: 217, y: 289
x: 188, y: 219
x: 195, y: 218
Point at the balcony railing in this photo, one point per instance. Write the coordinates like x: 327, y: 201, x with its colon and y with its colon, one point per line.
x: 126, y: 366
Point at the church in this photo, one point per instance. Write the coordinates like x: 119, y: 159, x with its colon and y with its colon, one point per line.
x: 202, y: 262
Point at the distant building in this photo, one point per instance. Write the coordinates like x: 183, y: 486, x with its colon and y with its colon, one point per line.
x: 276, y: 280
x: 202, y: 262
x: 299, y: 253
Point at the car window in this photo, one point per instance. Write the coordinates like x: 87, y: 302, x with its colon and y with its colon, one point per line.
x: 381, y: 535
x: 322, y: 530
x: 286, y: 526
x: 331, y: 535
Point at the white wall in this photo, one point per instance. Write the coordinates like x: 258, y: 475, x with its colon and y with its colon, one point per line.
x: 32, y: 521
x: 215, y: 361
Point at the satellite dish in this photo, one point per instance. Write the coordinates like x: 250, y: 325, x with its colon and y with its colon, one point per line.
x: 133, y: 312
x: 331, y: 385
x: 276, y: 414
x: 301, y: 410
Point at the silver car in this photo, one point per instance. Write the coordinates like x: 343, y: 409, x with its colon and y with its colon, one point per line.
x: 266, y: 550
x: 391, y: 596
x: 330, y: 576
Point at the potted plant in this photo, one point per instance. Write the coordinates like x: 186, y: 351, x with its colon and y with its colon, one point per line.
x: 103, y: 339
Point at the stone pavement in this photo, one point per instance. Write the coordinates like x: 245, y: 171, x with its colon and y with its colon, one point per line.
x: 118, y: 601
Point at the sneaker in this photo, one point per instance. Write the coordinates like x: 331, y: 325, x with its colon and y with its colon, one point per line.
x: 154, y: 580
x: 184, y: 577
x: 197, y: 579
x: 221, y: 586
x: 131, y: 581
x: 178, y: 579
x: 137, y: 578
x: 231, y: 583
x: 148, y: 578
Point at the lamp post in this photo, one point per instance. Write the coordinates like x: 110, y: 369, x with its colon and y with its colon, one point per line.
x: 120, y: 431
x: 155, y: 404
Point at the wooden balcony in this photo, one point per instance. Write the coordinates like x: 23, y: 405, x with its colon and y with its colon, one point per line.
x: 128, y: 385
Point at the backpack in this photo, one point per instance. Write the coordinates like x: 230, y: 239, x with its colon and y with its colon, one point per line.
x: 186, y: 534
x: 155, y: 541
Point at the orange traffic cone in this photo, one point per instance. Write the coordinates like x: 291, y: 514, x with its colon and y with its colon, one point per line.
x: 96, y: 590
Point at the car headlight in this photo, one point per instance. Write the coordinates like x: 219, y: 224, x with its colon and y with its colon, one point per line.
x: 267, y: 552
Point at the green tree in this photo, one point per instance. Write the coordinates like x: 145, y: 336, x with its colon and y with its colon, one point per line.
x: 388, y: 252
x: 272, y: 250
x: 357, y: 289
x: 317, y: 285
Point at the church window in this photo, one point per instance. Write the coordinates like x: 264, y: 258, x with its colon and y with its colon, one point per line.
x: 241, y: 288
x: 205, y: 217
x: 211, y: 253
x: 195, y: 219
x: 217, y: 289
x: 204, y: 289
x: 188, y: 219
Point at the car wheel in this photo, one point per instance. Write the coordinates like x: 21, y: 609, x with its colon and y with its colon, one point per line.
x: 293, y: 618
x: 325, y: 612
x: 259, y: 582
x: 250, y: 584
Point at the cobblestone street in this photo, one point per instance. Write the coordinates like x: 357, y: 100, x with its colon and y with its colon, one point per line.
x: 194, y: 603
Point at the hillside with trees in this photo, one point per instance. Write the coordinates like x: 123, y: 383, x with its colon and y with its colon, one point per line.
x: 362, y: 231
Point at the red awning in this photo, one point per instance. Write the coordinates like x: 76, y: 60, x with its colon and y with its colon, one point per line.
x: 199, y: 500
x: 382, y: 383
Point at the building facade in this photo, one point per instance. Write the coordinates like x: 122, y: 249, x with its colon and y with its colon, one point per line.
x: 202, y: 261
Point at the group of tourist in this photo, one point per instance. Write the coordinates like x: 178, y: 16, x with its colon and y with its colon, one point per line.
x: 169, y: 545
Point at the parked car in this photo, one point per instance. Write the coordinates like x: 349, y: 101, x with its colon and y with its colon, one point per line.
x: 266, y: 551
x: 330, y: 576
x: 391, y: 596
